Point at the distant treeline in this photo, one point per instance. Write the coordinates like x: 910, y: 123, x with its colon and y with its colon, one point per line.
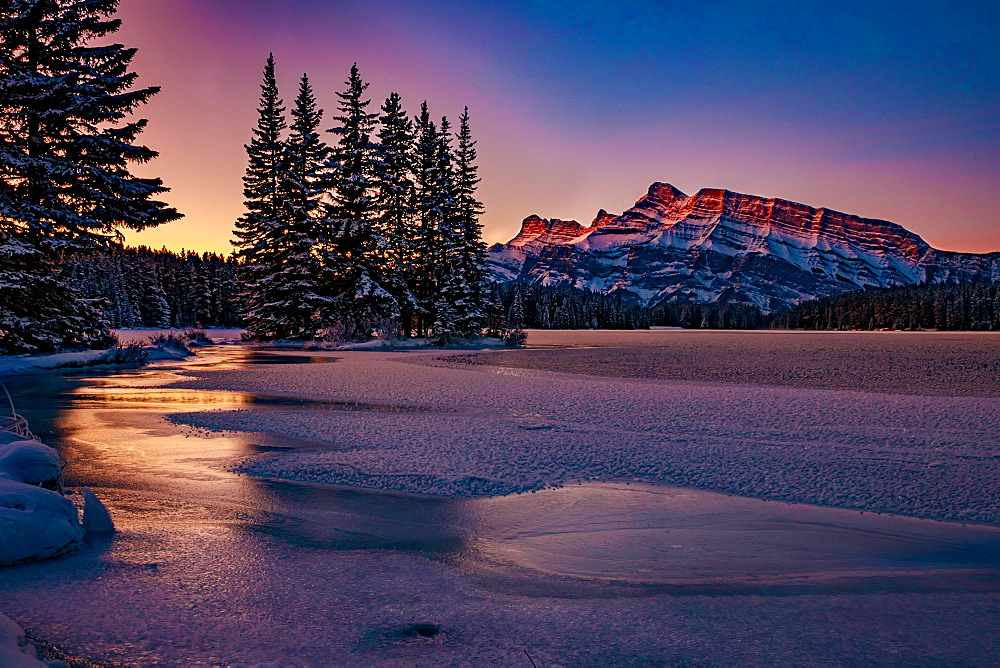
x: 949, y: 306
x: 536, y: 306
x: 141, y: 287
x: 944, y: 306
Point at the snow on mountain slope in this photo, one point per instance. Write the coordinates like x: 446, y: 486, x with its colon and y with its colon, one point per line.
x: 717, y: 245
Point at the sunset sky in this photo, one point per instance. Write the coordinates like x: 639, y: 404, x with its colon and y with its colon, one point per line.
x: 884, y: 109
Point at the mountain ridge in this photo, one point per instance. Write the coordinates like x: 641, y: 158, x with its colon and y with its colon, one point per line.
x: 720, y: 245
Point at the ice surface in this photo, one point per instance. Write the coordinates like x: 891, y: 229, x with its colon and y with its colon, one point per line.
x: 215, y: 568
x: 501, y: 430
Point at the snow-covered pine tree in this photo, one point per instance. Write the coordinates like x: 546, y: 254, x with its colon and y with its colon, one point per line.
x: 427, y: 214
x: 449, y: 246
x: 256, y: 229
x: 287, y: 301
x: 395, y: 186
x: 471, y: 304
x: 66, y: 148
x: 360, y: 286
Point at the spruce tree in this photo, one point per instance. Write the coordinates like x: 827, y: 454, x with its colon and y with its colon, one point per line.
x: 427, y: 213
x: 395, y: 189
x: 287, y: 300
x: 256, y: 230
x: 472, y: 303
x: 449, y: 247
x: 66, y: 147
x: 359, y: 285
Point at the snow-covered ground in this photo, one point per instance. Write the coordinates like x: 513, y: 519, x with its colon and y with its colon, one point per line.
x: 494, y: 430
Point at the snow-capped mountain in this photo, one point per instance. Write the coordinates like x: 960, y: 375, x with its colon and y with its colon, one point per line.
x: 718, y: 245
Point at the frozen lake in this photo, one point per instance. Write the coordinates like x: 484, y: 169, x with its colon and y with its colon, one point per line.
x: 213, y: 565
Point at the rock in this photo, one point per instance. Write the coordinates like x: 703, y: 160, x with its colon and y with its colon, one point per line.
x: 96, y: 518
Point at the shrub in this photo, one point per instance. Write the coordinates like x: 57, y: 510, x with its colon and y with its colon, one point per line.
x: 197, y: 336
x: 124, y: 353
x: 515, y: 338
x: 174, y: 340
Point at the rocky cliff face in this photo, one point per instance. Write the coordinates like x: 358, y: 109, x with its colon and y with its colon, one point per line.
x: 718, y: 245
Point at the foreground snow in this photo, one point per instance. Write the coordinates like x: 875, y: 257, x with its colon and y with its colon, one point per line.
x: 15, y: 650
x: 442, y: 430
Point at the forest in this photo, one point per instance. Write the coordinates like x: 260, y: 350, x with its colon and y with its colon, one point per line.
x: 944, y: 306
x: 141, y: 287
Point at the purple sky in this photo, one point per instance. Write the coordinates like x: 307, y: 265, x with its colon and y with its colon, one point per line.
x: 885, y: 109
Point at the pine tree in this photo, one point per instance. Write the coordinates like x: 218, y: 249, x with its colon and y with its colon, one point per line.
x: 66, y: 148
x: 256, y: 229
x: 360, y: 286
x: 449, y: 248
x: 288, y: 302
x: 427, y: 215
x: 471, y: 304
x: 394, y: 181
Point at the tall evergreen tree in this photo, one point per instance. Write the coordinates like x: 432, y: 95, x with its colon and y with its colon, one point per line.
x: 395, y: 186
x: 66, y: 148
x: 427, y: 217
x: 449, y: 247
x: 288, y: 299
x: 256, y: 230
x: 359, y: 285
x: 471, y: 303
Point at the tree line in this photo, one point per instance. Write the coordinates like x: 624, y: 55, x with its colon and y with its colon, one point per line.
x: 537, y: 306
x: 945, y: 306
x: 141, y: 287
x: 379, y: 229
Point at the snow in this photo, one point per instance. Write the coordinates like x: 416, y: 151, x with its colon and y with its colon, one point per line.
x: 35, y: 523
x: 21, y: 364
x: 483, y: 431
x: 15, y: 650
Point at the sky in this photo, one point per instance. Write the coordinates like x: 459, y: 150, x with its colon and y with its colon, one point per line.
x: 882, y: 109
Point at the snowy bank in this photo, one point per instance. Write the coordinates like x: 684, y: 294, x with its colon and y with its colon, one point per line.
x: 35, y: 364
x: 220, y: 335
x: 388, y: 345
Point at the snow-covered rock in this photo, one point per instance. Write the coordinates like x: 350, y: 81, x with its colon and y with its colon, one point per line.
x: 32, y: 462
x: 15, y: 650
x: 718, y: 245
x: 35, y: 523
x: 96, y: 518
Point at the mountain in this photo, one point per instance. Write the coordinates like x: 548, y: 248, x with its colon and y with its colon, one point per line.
x: 721, y: 246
